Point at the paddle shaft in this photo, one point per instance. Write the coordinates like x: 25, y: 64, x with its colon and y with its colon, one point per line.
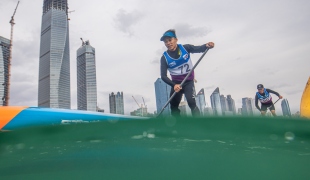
x: 273, y: 104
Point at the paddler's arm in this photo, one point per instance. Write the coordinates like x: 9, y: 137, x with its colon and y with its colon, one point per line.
x: 256, y: 103
x: 274, y: 92
x: 163, y: 72
x: 198, y: 49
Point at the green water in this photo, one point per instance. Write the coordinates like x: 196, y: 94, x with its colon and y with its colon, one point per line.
x: 201, y: 148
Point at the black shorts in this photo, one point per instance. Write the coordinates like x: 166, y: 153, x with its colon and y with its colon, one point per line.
x: 265, y: 106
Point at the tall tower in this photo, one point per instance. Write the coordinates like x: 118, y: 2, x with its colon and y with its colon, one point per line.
x: 231, y: 104
x: 248, y: 106
x: 86, y: 78
x: 285, y: 108
x: 116, y: 102
x: 224, y: 103
x: 54, y: 67
x: 162, y: 94
x: 201, y: 101
x: 216, y: 102
x: 4, y: 69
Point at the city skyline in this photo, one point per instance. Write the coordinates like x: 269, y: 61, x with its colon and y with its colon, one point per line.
x: 236, y: 38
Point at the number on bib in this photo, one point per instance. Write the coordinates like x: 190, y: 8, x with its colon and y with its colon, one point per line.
x: 186, y: 67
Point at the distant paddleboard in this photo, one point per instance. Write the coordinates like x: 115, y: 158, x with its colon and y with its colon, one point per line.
x: 13, y: 117
x: 305, y: 101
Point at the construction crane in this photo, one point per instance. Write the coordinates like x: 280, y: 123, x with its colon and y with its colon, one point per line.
x: 68, y: 14
x: 82, y: 41
x: 143, y: 102
x: 136, y: 101
x: 7, y: 96
x: 141, y: 107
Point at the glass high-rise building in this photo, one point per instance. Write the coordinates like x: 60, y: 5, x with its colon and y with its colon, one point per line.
x: 54, y: 66
x: 201, y: 101
x: 116, y: 102
x: 162, y: 94
x: 4, y: 71
x: 208, y: 111
x: 231, y: 104
x: 255, y: 111
x: 184, y: 109
x: 285, y: 108
x: 216, y: 102
x: 248, y: 106
x: 224, y: 103
x: 86, y: 78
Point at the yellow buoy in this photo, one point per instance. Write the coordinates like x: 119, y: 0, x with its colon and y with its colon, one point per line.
x: 305, y: 101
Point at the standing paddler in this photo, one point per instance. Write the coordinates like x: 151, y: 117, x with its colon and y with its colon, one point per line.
x: 178, y: 62
x: 263, y: 95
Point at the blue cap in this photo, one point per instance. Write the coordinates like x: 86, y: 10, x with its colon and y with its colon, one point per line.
x: 168, y: 34
x: 260, y: 86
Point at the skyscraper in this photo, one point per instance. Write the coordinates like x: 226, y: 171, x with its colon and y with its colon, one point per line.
x: 54, y: 66
x: 247, y: 106
x: 201, y: 101
x: 86, y: 78
x: 184, y: 109
x: 224, y: 104
x: 208, y: 111
x: 255, y: 111
x: 4, y: 72
x: 239, y: 111
x: 285, y: 108
x: 231, y: 104
x: 116, y: 103
x: 162, y: 93
x: 216, y: 102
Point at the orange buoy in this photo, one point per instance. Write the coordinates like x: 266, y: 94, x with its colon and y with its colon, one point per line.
x: 305, y: 102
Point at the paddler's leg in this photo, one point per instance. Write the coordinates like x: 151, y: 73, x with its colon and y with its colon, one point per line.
x: 174, y: 103
x: 189, y: 93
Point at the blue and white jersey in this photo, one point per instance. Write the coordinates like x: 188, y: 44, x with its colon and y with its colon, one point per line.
x: 180, y: 66
x: 264, y: 99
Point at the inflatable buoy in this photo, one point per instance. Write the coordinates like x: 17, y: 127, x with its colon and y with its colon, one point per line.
x: 305, y: 102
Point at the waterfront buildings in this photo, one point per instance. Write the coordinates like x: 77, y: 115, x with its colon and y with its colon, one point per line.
x: 116, y: 102
x: 231, y: 104
x: 142, y: 111
x: 216, y: 102
x: 208, y: 111
x: 162, y: 94
x: 247, y: 107
x: 4, y: 72
x: 86, y: 78
x: 285, y: 108
x: 54, y: 65
x: 184, y: 108
x: 224, y: 104
x: 201, y: 101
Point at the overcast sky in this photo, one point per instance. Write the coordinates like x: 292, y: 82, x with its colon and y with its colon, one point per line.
x: 256, y: 42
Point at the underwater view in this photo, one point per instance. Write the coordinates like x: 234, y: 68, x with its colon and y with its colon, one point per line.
x: 167, y: 148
